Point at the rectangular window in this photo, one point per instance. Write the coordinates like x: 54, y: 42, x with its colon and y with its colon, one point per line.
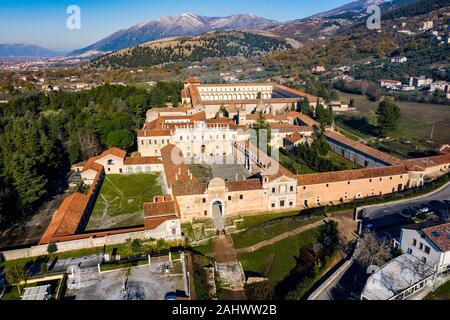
x: 427, y: 250
x: 424, y: 259
x: 291, y: 203
x: 273, y: 190
x: 421, y: 246
x: 204, y: 200
x: 291, y: 188
x: 282, y: 203
x: 409, y: 251
x: 241, y: 197
x: 229, y: 198
x: 414, y: 242
x: 273, y: 204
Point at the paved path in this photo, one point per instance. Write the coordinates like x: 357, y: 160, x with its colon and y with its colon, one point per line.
x: 282, y: 236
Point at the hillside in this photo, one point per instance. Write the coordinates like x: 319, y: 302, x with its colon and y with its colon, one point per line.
x: 366, y: 53
x: 21, y: 50
x: 186, y: 24
x: 219, y: 44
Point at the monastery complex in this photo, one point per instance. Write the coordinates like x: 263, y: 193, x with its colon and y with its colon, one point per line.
x: 213, y: 127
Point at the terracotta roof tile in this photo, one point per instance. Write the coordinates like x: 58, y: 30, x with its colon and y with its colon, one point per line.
x: 141, y: 160
x: 349, y: 175
x: 421, y: 164
x: 439, y: 235
x: 374, y: 153
x: 243, y: 185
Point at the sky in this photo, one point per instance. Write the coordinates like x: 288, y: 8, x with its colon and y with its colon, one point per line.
x: 43, y: 22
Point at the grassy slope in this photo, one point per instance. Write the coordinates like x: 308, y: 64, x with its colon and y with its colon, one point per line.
x: 268, y: 231
x: 441, y: 293
x: 276, y: 261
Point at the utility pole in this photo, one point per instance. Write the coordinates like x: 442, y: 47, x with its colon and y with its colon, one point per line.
x: 432, y: 131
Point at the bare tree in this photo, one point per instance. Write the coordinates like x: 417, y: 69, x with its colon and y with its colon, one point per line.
x: 372, y: 251
x: 124, y: 274
x: 88, y: 143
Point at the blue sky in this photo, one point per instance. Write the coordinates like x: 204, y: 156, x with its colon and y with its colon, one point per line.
x: 43, y: 22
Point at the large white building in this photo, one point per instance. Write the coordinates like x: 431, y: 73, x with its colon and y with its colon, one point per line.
x: 428, y: 242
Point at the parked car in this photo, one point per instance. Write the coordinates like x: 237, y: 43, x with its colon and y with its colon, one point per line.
x: 424, y: 209
x: 368, y: 228
x: 170, y: 296
x: 409, y: 212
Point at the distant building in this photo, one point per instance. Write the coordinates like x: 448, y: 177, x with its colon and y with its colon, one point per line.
x: 443, y: 86
x: 339, y: 106
x: 399, y: 59
x: 318, y: 69
x: 426, y: 25
x: 390, y: 84
x: 398, y: 279
x: 420, y: 82
x: 429, y: 242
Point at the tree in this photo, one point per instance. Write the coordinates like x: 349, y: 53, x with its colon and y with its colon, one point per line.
x: 123, y: 139
x: 372, y: 251
x: 305, y: 108
x: 388, y: 114
x: 16, y: 274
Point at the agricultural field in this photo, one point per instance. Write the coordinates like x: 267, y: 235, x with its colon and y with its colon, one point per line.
x: 120, y: 202
x: 418, y: 121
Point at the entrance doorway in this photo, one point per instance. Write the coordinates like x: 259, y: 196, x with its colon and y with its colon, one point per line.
x: 218, y: 210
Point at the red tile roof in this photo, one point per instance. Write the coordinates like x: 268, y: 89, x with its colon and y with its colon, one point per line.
x: 349, y: 175
x: 141, y: 160
x: 243, y: 185
x: 421, y: 164
x: 374, y: 153
x: 158, y: 209
x: 192, y: 80
x: 67, y: 217
x: 439, y: 235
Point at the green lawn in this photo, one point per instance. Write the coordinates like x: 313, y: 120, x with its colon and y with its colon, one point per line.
x: 415, y: 123
x: 341, y: 161
x: 441, y: 293
x: 206, y: 248
x: 269, y: 230
x: 120, y: 202
x: 251, y: 221
x: 276, y: 261
x: 117, y: 266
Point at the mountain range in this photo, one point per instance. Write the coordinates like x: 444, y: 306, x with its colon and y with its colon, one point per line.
x: 22, y: 50
x: 186, y: 24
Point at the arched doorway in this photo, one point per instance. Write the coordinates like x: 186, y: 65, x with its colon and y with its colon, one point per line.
x: 217, y: 213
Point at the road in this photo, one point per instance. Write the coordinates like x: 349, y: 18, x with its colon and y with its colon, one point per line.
x: 387, y: 218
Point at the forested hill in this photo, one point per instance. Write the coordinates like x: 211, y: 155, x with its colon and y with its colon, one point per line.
x: 192, y: 49
x: 41, y: 135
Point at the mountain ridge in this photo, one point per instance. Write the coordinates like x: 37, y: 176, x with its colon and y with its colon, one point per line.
x: 185, y: 24
x: 25, y: 50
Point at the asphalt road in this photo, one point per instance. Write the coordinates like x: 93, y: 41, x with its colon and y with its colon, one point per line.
x: 388, y: 218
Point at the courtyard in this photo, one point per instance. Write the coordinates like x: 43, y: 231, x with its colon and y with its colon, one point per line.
x: 120, y: 202
x: 144, y: 283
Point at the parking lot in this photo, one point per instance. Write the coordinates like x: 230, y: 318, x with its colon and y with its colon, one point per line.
x: 144, y: 283
x: 388, y: 219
